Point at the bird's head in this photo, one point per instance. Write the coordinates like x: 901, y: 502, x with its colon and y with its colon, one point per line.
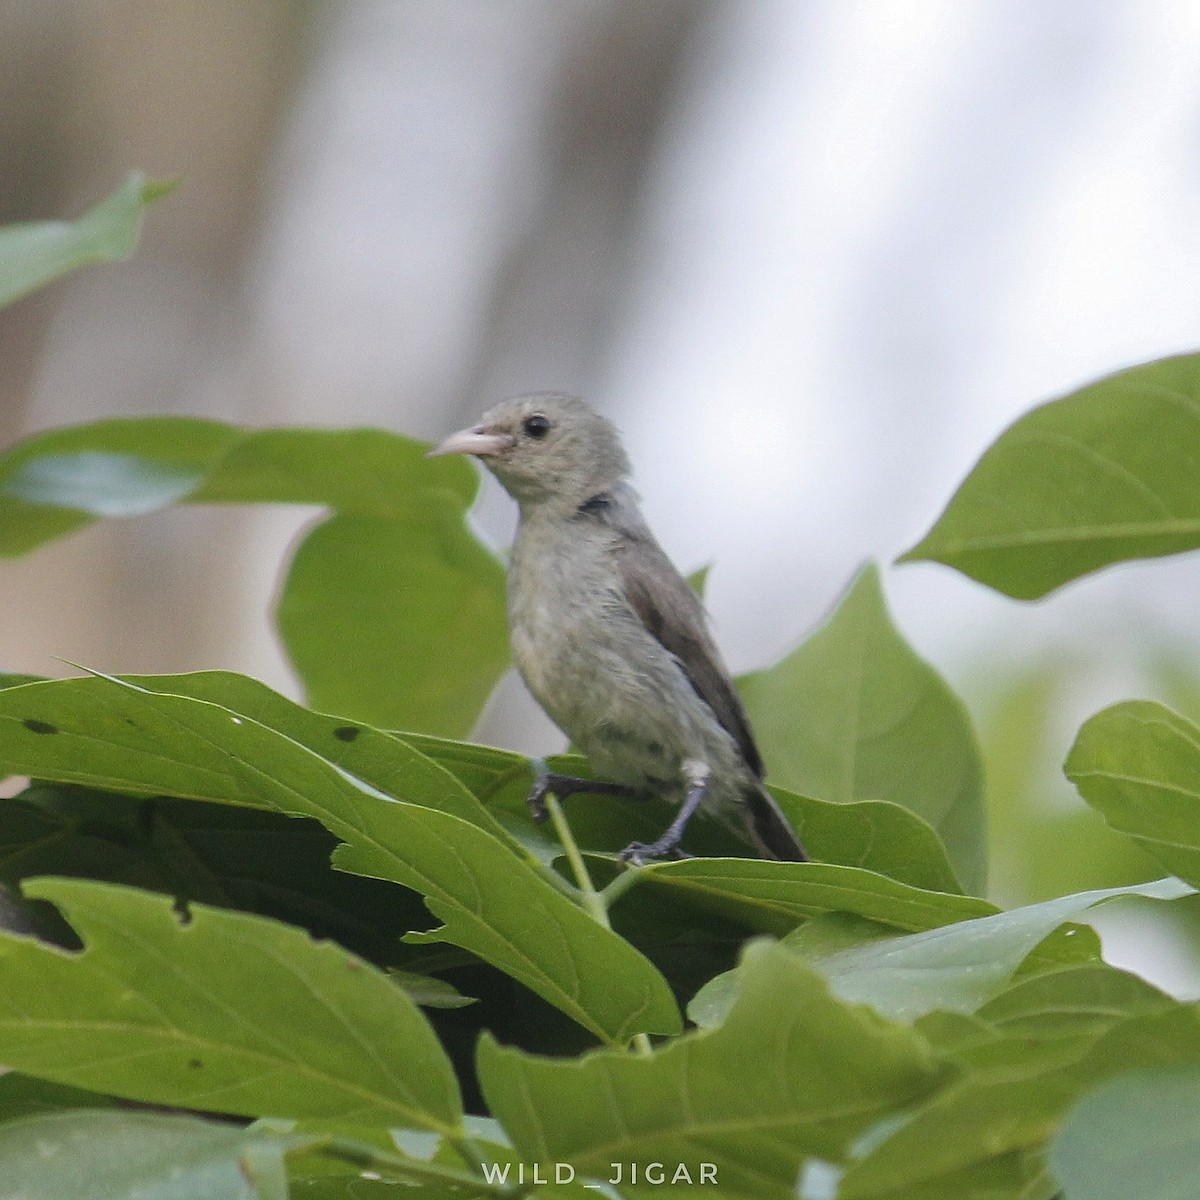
x: 546, y: 447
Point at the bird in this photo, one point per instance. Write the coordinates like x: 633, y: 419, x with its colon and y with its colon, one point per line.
x: 608, y: 636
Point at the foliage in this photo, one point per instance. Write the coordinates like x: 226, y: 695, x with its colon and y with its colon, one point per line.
x: 1097, y: 477
x: 36, y: 252
x: 854, y: 714
x: 320, y: 957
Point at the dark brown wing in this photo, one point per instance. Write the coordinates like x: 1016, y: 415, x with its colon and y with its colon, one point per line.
x: 672, y: 612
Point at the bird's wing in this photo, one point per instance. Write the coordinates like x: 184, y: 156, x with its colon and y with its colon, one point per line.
x: 672, y: 612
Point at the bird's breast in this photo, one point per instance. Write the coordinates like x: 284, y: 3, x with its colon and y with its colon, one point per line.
x: 592, y: 665
x: 559, y: 607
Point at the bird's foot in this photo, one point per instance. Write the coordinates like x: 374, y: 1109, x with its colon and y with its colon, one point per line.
x: 563, y: 786
x: 638, y: 854
x: 537, y: 799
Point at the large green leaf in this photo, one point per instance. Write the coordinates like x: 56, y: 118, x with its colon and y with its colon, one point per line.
x: 482, y: 769
x: 774, y: 897
x: 212, y: 736
x: 955, y: 967
x: 374, y: 607
x: 1139, y: 764
x: 854, y: 714
x: 793, y: 1072
x: 113, y: 734
x: 220, y: 1011
x: 960, y: 966
x: 1008, y: 1104
x: 95, y: 1155
x: 1133, y: 1136
x: 877, y: 835
x: 382, y: 760
x: 427, y: 598
x: 1088, y: 997
x: 54, y: 482
x: 36, y: 252
x: 1101, y: 475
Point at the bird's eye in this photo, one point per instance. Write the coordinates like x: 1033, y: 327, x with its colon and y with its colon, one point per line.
x: 536, y: 426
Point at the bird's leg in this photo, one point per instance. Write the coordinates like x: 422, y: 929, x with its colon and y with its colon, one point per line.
x: 639, y: 852
x: 567, y: 785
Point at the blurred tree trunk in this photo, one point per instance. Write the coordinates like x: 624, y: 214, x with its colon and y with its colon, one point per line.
x: 392, y: 211
x: 34, y: 151
x: 91, y: 89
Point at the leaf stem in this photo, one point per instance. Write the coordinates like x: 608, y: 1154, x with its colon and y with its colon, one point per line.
x: 620, y: 885
x: 593, y: 901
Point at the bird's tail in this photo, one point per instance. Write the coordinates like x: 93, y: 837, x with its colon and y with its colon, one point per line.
x: 769, y: 829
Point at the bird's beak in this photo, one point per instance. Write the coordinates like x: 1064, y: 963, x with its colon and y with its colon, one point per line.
x: 480, y: 441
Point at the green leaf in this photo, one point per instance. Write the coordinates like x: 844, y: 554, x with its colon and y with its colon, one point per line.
x: 117, y: 735
x: 793, y: 1072
x: 432, y: 638
x: 220, y: 1011
x: 1014, y: 1175
x: 876, y: 835
x: 956, y: 967
x: 773, y: 897
x: 1062, y: 1002
x: 24, y: 1096
x: 509, y: 915
x: 1104, y: 474
x: 389, y: 762
x: 362, y: 472
x: 1010, y: 1105
x: 356, y: 1186
x: 854, y: 714
x: 103, y: 484
x: 374, y: 606
x: 1138, y: 763
x: 58, y: 481
x: 1131, y: 1137
x: 36, y: 252
x: 11, y: 679
x: 483, y: 770
x: 960, y: 966
x: 163, y: 734
x: 429, y: 991
x: 356, y: 1163
x: 94, y: 1155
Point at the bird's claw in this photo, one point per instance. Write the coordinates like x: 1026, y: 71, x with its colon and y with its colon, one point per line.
x: 567, y: 785
x: 537, y: 800
x: 638, y: 854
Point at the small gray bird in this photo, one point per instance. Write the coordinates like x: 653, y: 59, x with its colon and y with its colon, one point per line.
x: 607, y: 634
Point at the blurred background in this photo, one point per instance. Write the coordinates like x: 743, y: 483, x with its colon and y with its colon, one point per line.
x: 812, y: 255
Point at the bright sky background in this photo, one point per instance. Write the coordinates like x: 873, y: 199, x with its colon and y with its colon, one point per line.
x: 874, y: 233
x: 881, y: 232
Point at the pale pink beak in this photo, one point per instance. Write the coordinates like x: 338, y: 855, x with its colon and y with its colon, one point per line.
x: 478, y: 441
